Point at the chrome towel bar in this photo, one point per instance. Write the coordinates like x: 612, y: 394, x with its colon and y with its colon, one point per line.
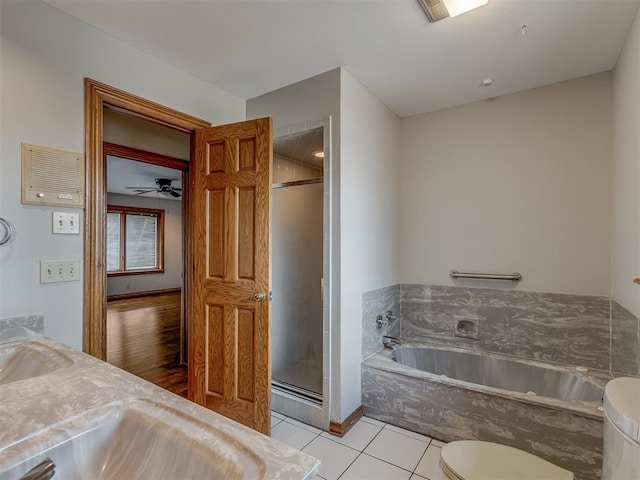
x: 514, y: 277
x: 8, y: 232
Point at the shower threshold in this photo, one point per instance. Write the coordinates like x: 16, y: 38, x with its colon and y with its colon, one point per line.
x: 297, y: 391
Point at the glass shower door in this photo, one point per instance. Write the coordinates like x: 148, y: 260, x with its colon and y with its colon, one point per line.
x: 296, y: 327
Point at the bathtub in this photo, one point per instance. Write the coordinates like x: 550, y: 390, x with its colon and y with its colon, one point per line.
x: 451, y: 393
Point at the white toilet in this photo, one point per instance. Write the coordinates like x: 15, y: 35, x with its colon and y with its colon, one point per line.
x: 621, y: 455
x: 475, y: 460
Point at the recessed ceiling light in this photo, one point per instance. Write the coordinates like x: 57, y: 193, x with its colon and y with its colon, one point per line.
x: 487, y: 82
x: 319, y: 154
x: 439, y: 9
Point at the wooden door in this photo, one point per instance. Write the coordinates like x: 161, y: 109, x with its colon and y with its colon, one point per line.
x: 230, y: 239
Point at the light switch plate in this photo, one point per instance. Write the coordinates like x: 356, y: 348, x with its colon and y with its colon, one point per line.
x: 54, y: 271
x: 66, y: 223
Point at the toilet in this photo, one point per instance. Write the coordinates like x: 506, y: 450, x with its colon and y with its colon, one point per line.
x: 476, y: 460
x: 621, y: 455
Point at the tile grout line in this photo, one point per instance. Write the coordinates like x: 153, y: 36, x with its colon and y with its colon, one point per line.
x: 428, y: 442
x: 421, y: 457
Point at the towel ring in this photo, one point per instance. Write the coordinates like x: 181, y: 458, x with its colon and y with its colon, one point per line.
x: 8, y: 234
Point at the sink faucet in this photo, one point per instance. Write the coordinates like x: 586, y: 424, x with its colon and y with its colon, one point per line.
x: 43, y: 471
x: 390, y: 342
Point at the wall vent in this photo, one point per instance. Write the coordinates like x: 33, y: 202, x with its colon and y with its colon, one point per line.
x: 52, y: 177
x: 434, y: 9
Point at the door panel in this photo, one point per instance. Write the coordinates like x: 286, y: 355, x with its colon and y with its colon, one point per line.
x: 229, y: 354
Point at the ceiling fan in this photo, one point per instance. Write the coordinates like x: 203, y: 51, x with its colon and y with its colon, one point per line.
x: 163, y: 189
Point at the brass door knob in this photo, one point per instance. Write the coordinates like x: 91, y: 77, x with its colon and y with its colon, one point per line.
x: 259, y: 296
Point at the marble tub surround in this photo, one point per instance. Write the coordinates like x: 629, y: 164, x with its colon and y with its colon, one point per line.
x: 374, y: 303
x: 23, y: 326
x: 560, y: 328
x: 40, y: 412
x: 568, y: 434
x: 625, y: 342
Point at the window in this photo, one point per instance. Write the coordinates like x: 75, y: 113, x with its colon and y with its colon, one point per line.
x: 134, y: 240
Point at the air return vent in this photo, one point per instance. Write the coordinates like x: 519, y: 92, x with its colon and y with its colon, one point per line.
x: 52, y: 177
x: 434, y: 9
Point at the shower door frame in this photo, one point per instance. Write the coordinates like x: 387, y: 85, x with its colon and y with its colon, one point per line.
x: 297, y: 406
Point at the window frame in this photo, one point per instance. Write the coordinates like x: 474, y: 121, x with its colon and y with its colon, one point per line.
x: 123, y: 211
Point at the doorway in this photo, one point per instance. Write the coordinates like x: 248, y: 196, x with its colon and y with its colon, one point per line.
x: 146, y: 305
x: 98, y: 99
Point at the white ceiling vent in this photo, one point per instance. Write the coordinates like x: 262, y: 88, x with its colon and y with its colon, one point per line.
x: 52, y: 177
x: 434, y: 9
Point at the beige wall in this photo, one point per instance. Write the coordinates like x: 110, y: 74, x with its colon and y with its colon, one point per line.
x: 626, y: 173
x: 517, y: 183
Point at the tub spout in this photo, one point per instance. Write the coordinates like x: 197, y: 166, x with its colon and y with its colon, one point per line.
x: 390, y: 342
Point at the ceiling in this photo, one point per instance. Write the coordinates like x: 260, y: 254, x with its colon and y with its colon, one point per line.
x: 301, y: 146
x: 122, y: 173
x: 251, y: 47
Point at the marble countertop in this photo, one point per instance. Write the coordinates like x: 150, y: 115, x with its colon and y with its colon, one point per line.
x: 35, y: 408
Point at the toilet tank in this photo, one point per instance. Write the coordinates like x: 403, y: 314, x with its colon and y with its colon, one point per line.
x: 621, y: 456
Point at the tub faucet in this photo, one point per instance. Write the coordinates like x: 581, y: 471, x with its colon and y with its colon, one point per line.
x: 390, y: 342
x: 388, y: 319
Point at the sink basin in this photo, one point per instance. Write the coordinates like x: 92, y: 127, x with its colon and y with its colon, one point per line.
x: 22, y: 360
x: 135, y: 439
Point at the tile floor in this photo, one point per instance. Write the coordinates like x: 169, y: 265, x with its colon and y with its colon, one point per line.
x: 370, y: 450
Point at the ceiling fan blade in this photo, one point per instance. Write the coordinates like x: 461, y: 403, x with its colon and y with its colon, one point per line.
x: 142, y: 192
x: 174, y: 193
x: 140, y: 188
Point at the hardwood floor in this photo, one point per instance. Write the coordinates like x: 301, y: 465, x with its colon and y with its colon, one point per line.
x: 143, y: 338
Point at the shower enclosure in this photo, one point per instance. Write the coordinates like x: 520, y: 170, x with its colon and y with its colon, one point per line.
x: 297, y: 263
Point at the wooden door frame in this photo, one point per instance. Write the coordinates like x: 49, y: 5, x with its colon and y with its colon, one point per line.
x: 99, y: 96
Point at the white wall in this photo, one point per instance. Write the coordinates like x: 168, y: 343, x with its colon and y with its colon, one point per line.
x: 369, y: 187
x: 517, y: 183
x: 172, y: 276
x: 626, y: 173
x: 45, y: 55
x: 365, y: 187
x: 291, y: 107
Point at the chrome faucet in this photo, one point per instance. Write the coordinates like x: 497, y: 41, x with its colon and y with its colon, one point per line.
x: 390, y: 342
x: 388, y: 319
x: 43, y: 471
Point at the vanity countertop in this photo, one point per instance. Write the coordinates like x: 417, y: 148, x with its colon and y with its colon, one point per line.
x: 41, y: 406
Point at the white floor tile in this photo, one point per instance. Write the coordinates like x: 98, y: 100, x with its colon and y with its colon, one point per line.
x: 335, y: 458
x: 417, y: 477
x: 309, y: 428
x: 292, y: 435
x: 277, y: 415
x: 275, y: 420
x: 438, y: 443
x: 358, y: 437
x: 408, y: 433
x: 373, y: 421
x: 398, y: 449
x: 429, y: 466
x: 369, y: 468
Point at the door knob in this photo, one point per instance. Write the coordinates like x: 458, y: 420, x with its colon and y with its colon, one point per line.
x: 259, y: 296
